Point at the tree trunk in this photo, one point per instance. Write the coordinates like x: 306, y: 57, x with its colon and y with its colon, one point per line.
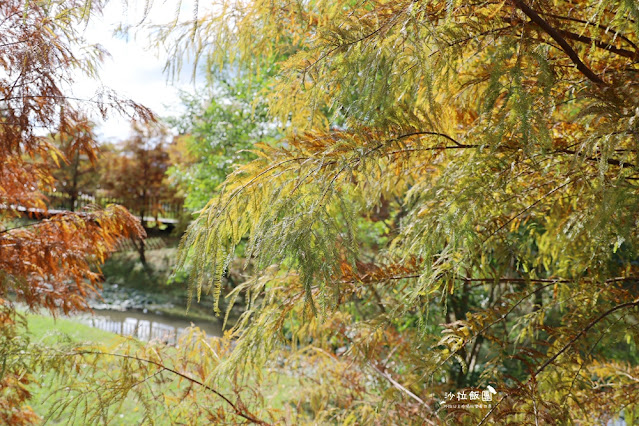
x: 140, y: 245
x: 74, y: 187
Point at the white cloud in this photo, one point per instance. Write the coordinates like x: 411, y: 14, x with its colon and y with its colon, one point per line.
x: 134, y: 70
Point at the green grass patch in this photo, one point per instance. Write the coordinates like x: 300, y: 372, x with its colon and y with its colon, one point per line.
x: 50, y: 331
x: 278, y: 389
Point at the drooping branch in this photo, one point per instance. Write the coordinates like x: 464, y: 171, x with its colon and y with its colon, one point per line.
x: 531, y: 206
x: 564, y: 349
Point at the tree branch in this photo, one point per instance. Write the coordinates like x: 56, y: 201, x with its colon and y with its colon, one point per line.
x: 528, y: 208
x: 601, y: 27
x: 556, y: 35
x: 611, y: 161
x: 238, y: 411
x: 401, y: 388
x: 600, y: 44
x: 582, y: 332
x: 570, y: 343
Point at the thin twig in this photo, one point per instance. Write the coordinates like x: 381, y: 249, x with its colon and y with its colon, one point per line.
x: 248, y: 416
x: 582, y: 332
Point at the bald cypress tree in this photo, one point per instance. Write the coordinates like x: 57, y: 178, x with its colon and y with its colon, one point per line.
x: 505, y: 135
x: 51, y: 264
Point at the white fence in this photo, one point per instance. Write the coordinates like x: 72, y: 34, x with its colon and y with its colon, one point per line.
x: 140, y: 329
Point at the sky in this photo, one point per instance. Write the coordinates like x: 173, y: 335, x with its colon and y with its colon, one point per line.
x: 134, y: 70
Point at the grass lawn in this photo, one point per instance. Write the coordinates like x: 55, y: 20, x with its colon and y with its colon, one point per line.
x: 45, y: 328
x: 49, y: 330
x: 277, y: 388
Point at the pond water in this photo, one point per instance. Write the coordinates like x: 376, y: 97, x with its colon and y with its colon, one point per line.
x: 146, y: 325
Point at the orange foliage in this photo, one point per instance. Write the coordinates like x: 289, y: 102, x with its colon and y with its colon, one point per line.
x: 51, y: 264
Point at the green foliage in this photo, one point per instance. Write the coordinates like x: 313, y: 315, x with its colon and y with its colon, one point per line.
x: 125, y: 269
x: 216, y: 133
x: 103, y: 378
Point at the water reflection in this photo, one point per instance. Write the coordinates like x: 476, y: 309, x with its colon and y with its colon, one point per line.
x: 146, y: 326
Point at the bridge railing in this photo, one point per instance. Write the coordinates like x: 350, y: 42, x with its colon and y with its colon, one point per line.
x: 154, y: 207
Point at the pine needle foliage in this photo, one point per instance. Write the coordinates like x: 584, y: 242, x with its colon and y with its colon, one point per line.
x: 505, y: 135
